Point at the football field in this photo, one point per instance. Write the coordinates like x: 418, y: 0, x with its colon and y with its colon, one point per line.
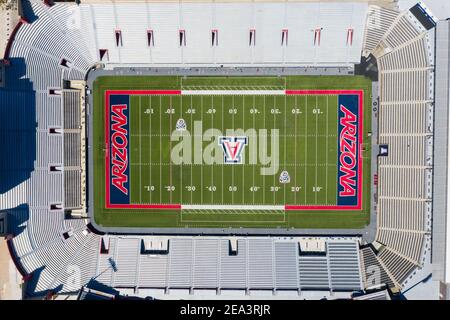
x: 232, y: 154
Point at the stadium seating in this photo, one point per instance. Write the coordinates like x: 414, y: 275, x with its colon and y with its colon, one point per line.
x: 374, y: 272
x: 405, y: 63
x: 378, y: 22
x: 18, y: 228
x: 35, y: 67
x: 100, y: 20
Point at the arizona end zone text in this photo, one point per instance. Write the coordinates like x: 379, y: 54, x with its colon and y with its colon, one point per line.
x: 350, y: 128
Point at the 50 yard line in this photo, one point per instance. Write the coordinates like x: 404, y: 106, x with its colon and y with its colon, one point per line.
x: 223, y: 130
x: 284, y: 162
x: 232, y: 167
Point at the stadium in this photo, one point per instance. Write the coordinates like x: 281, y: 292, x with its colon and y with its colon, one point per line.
x: 225, y: 149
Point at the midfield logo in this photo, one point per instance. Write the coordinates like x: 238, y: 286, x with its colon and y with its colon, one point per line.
x: 232, y: 148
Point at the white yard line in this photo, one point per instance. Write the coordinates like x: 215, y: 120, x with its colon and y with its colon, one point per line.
x: 232, y: 167
x: 243, y: 128
x: 150, y: 151
x: 223, y: 130
x: 253, y: 168
x: 326, y: 159
x: 295, y: 150
x: 140, y: 154
x: 181, y: 167
x: 201, y: 167
x: 284, y: 162
x: 170, y: 143
x: 279, y: 135
x: 315, y: 169
x: 264, y: 125
x: 247, y: 164
x: 192, y: 160
x: 274, y: 176
x: 306, y: 144
x: 212, y: 167
x: 160, y: 156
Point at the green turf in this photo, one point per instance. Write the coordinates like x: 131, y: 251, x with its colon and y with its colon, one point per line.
x: 308, y: 152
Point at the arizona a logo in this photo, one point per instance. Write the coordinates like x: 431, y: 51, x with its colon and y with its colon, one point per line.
x: 232, y: 148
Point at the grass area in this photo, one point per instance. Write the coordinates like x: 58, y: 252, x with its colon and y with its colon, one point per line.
x: 300, y: 128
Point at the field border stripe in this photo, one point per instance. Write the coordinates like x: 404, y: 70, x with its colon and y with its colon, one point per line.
x: 359, y: 93
x: 145, y: 206
x: 143, y: 92
x: 107, y: 177
x: 108, y: 203
x: 323, y: 92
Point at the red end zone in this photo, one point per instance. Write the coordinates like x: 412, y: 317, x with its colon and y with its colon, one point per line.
x: 108, y: 158
x: 359, y: 189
